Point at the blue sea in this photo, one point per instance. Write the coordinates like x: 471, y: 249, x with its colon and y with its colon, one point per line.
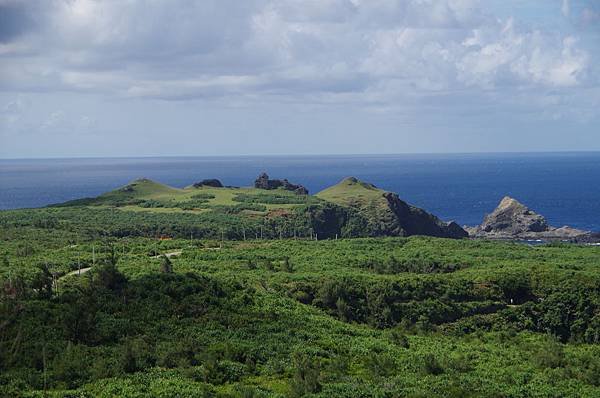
x: 564, y: 187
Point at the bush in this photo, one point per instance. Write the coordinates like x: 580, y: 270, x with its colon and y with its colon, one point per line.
x: 431, y: 365
x: 306, y: 376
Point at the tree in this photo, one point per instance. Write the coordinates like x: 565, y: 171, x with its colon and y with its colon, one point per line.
x: 113, y: 257
x: 109, y: 277
x: 166, y: 266
x: 287, y: 266
x: 307, y: 373
x: 43, y: 281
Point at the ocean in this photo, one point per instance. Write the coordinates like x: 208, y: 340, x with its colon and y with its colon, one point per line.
x: 564, y: 187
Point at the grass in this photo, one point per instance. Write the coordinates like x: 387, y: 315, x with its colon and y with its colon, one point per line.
x: 351, y: 191
x: 169, y: 199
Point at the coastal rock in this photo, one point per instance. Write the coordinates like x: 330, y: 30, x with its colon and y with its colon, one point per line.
x: 416, y: 221
x: 263, y: 182
x: 386, y: 214
x: 209, y: 182
x: 513, y: 220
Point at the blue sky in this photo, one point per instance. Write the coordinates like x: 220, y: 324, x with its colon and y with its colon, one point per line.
x: 225, y: 77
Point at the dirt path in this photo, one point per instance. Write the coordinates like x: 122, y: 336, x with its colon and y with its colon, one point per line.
x: 76, y: 272
x: 169, y: 255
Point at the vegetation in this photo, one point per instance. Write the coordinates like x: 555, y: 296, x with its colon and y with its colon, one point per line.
x: 243, y: 297
x: 349, y: 317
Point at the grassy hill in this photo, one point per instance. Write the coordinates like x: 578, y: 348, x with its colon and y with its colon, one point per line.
x: 349, y: 209
x: 147, y: 194
x: 352, y: 192
x: 386, y: 214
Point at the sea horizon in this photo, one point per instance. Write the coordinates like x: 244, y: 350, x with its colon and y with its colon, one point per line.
x: 279, y: 155
x: 455, y: 186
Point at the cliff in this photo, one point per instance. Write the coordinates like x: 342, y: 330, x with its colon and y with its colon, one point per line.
x: 386, y: 214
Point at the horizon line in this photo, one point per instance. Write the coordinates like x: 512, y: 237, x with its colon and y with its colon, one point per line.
x: 270, y: 155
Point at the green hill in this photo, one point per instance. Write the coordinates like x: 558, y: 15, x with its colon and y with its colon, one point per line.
x: 385, y: 213
x: 351, y: 208
x: 142, y: 188
x: 352, y: 192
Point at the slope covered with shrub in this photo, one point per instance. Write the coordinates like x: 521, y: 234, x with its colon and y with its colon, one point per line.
x: 353, y: 317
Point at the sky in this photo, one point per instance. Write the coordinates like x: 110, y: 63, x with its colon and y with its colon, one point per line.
x: 83, y: 78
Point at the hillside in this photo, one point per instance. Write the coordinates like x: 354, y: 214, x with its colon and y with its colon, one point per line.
x: 386, y: 213
x: 212, y: 291
x: 271, y: 209
x: 405, y: 317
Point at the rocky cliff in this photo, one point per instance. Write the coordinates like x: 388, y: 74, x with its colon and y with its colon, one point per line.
x: 513, y: 220
x: 386, y: 214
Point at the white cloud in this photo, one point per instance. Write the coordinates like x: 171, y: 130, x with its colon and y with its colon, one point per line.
x: 375, y: 52
x: 566, y: 8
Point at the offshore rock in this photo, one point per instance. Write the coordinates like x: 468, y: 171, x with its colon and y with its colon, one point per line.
x: 513, y: 220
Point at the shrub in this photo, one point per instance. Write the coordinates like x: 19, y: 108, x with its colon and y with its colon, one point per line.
x: 431, y: 365
x: 306, y: 377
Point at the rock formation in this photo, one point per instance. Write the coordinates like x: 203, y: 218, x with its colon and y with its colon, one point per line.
x: 210, y: 182
x: 263, y: 182
x: 386, y: 214
x: 513, y: 220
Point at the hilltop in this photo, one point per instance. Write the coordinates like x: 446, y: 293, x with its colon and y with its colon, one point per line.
x: 386, y: 213
x: 272, y: 208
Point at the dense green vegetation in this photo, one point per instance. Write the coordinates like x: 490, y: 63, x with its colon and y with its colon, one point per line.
x: 150, y: 209
x: 416, y: 317
x: 239, y: 292
x: 147, y: 208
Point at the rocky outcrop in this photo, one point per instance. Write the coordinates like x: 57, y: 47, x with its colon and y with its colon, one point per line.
x: 385, y: 214
x: 209, y: 182
x: 263, y: 182
x: 513, y: 220
x: 415, y: 221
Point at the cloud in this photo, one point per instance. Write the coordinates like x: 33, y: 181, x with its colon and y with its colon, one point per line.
x: 566, y: 8
x: 15, y: 20
x: 378, y: 53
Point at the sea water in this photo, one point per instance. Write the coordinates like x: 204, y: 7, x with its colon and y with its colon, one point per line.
x: 564, y: 187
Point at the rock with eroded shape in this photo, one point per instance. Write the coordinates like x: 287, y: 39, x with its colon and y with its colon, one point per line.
x: 263, y: 182
x: 209, y: 182
x: 513, y: 220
